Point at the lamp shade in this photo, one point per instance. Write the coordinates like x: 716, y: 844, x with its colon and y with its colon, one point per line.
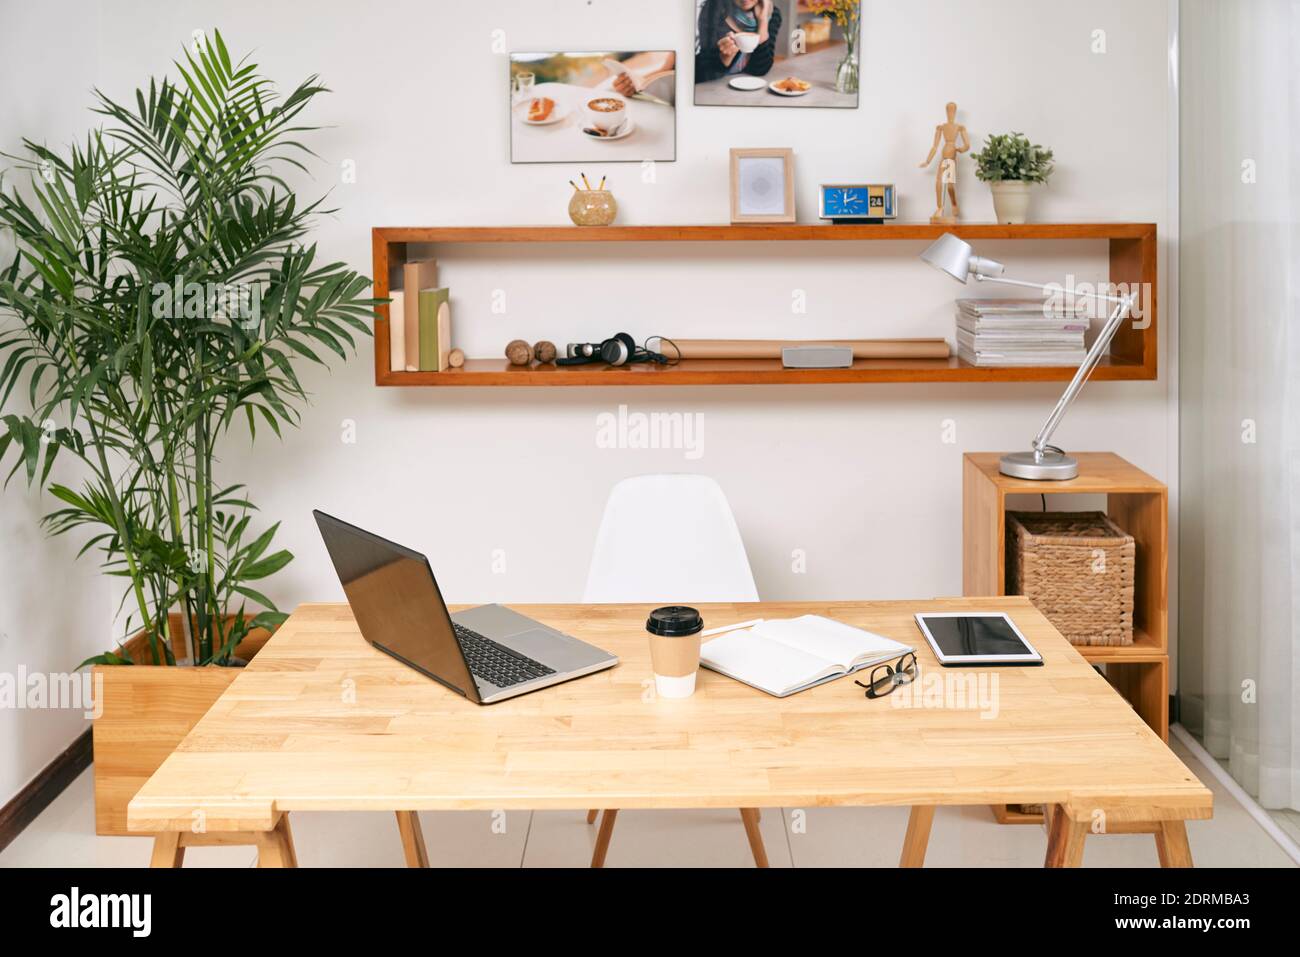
x: 950, y: 254
x: 956, y: 257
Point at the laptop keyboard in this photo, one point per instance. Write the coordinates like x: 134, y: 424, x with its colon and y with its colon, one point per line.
x: 496, y: 663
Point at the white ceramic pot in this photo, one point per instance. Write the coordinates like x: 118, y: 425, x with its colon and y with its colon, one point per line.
x: 1011, y: 201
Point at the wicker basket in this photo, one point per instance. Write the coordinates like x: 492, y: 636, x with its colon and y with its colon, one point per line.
x: 1077, y: 568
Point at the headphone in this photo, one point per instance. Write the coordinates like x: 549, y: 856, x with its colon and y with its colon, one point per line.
x: 620, y: 350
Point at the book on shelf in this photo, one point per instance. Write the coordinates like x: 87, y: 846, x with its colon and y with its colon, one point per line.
x: 1012, y: 342
x: 434, y: 329
x: 1021, y: 307
x: 396, y: 332
x: 417, y: 275
x: 990, y: 358
x: 1019, y: 324
x: 1021, y: 332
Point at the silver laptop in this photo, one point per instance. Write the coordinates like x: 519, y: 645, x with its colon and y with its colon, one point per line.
x: 487, y: 654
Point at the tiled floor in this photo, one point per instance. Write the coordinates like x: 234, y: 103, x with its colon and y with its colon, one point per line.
x: 1289, y: 821
x: 818, y: 837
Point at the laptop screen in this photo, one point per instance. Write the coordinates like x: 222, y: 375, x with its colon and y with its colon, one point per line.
x: 396, y: 602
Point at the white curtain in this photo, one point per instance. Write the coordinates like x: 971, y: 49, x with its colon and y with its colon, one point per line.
x: 1239, y: 392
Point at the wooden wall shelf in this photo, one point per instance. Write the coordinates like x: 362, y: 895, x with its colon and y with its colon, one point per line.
x: 1133, y: 257
x: 483, y: 372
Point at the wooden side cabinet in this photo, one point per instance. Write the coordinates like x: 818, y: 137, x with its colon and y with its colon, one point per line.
x: 1139, y: 504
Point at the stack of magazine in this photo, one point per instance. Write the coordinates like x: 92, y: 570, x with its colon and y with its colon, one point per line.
x: 1020, y: 332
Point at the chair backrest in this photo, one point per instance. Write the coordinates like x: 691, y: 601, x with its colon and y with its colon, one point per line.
x: 668, y: 538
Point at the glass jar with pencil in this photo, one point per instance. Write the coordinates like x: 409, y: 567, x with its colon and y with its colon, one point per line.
x: 592, y: 207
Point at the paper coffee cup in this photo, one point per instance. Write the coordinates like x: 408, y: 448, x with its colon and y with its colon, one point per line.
x: 675, y: 649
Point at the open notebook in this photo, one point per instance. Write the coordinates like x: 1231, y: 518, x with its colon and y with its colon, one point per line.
x: 785, y: 656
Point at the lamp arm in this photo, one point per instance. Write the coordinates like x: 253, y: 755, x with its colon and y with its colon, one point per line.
x: 1044, y: 288
x: 1089, y: 363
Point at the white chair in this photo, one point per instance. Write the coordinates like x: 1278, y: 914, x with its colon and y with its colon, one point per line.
x: 669, y: 538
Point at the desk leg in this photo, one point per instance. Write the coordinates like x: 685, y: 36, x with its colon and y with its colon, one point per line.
x: 1172, y: 846
x: 750, y: 816
x: 602, y: 837
x: 591, y: 816
x: 275, y: 847
x: 918, y: 836
x: 1065, y: 838
x: 167, y: 850
x: 413, y: 846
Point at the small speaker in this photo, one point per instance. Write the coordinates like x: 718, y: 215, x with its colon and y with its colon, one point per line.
x: 817, y: 357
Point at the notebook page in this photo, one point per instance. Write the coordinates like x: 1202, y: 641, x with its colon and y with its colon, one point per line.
x: 766, y: 664
x: 833, y: 641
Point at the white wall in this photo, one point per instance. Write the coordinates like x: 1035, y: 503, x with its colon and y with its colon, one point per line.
x: 54, y: 612
x: 857, y: 476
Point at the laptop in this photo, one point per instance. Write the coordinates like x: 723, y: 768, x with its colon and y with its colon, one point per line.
x: 487, y: 654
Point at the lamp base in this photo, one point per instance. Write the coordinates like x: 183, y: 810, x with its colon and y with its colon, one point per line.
x: 1039, y: 466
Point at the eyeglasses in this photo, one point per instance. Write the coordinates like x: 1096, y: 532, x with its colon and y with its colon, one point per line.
x: 885, y: 678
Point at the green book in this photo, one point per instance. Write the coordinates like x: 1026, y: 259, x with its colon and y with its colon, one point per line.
x: 435, y: 329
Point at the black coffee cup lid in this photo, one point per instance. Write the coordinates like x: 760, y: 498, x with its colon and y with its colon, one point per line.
x: 674, y: 621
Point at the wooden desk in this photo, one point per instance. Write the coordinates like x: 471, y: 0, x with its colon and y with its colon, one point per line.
x: 321, y: 721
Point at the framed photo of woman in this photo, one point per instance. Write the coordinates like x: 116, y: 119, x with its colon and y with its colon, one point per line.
x: 785, y: 53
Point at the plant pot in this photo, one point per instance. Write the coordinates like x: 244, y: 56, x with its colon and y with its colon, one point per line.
x: 1011, y: 201
x: 145, y: 712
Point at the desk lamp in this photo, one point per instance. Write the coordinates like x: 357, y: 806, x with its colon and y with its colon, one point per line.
x: 1044, y: 462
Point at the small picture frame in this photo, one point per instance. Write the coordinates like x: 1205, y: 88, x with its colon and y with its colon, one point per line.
x: 762, y: 186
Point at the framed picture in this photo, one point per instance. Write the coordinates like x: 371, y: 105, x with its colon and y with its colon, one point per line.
x: 784, y: 53
x: 598, y: 107
x: 762, y: 186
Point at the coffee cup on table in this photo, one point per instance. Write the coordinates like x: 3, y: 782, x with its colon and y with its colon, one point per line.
x: 747, y: 42
x: 675, y: 649
x: 606, y: 113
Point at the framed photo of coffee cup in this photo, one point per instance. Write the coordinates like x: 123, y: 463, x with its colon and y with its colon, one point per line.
x: 599, y: 107
x: 762, y: 186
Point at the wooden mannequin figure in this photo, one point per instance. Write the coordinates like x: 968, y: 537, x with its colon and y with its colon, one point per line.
x: 954, y: 138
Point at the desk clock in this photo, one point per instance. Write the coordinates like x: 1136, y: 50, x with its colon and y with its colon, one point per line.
x: 858, y: 202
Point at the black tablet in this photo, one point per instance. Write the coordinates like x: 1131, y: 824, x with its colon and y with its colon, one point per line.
x: 976, y: 638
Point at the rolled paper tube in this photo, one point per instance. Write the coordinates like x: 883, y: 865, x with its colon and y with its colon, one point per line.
x: 771, y: 348
x: 456, y: 358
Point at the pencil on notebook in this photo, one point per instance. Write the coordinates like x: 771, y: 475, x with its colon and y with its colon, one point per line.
x: 736, y: 627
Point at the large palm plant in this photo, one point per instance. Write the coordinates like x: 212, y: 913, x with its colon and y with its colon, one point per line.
x: 162, y: 293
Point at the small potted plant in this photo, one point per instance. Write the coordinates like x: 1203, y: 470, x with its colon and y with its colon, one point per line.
x: 1010, y: 164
